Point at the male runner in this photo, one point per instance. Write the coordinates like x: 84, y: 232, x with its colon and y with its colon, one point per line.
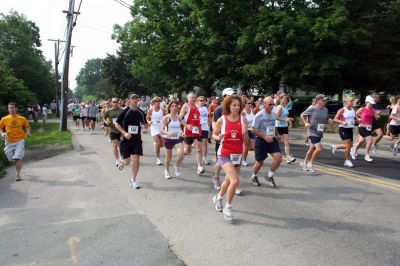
x: 111, y: 116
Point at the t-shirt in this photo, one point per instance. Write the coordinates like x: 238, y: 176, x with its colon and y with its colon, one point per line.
x: 131, y: 119
x: 110, y: 116
x: 92, y: 110
x: 75, y: 109
x: 317, y: 116
x: 265, y: 122
x: 44, y: 111
x: 395, y: 113
x: 14, y: 127
x: 218, y: 112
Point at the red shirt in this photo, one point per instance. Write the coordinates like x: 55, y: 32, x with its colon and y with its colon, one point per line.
x: 232, y: 143
x: 192, y: 118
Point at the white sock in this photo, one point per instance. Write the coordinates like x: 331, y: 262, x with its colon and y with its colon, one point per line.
x: 270, y: 173
x: 228, y: 205
x: 219, y: 197
x: 253, y: 174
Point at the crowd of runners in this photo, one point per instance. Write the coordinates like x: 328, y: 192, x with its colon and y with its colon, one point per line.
x: 237, y: 124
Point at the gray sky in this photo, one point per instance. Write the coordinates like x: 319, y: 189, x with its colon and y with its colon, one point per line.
x: 91, y: 36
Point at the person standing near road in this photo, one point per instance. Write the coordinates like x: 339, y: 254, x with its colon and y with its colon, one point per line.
x: 129, y: 124
x: 282, y: 126
x: 314, y: 118
x: 346, y: 118
x: 154, y: 117
x: 205, y: 128
x: 266, y: 142
x: 92, y: 115
x: 44, y: 113
x: 110, y: 117
x: 231, y: 131
x: 14, y: 128
x: 249, y: 144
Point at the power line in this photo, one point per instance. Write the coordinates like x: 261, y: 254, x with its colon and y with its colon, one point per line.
x: 76, y: 17
x: 124, y: 4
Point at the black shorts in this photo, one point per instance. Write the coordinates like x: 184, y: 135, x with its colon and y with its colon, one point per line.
x: 92, y: 118
x: 283, y: 130
x: 190, y: 140
x: 291, y: 113
x: 394, y: 130
x: 128, y: 148
x: 346, y: 133
x: 83, y: 118
x: 76, y: 117
x: 115, y: 136
x: 364, y: 132
x: 315, y: 139
x: 262, y: 148
x: 204, y: 134
x: 375, y: 124
x: 217, y: 143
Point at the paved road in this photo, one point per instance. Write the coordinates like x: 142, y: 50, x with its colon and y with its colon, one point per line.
x: 80, y: 207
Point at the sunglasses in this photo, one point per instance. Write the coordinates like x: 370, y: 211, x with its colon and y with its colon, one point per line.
x: 201, y: 100
x: 248, y: 103
x: 114, y: 101
x: 270, y: 104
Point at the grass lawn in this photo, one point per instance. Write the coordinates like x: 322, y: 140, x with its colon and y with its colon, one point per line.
x: 45, y: 141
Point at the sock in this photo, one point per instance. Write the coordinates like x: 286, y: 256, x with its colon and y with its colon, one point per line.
x: 270, y: 173
x: 253, y: 174
x: 219, y: 197
x: 228, y: 205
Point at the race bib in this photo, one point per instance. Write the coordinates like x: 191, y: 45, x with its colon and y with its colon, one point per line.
x: 320, y: 127
x: 174, y: 133
x: 368, y: 127
x: 236, y: 158
x: 270, y: 131
x: 350, y: 123
x: 157, y: 122
x: 195, y: 130
x: 203, y: 120
x: 114, y: 120
x: 133, y: 130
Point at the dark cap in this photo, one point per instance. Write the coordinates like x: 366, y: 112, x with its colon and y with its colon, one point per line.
x: 133, y: 95
x: 321, y: 97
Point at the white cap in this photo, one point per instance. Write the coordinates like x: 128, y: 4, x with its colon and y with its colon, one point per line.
x: 369, y: 99
x: 228, y: 92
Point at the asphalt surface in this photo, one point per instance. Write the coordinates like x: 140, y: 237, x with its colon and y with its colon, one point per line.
x: 77, y: 208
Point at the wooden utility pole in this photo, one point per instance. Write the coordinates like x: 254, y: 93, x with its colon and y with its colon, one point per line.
x: 56, y: 63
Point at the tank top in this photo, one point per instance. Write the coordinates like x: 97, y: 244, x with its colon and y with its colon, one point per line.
x: 367, y: 117
x: 396, y: 113
x: 204, y: 118
x: 173, y: 126
x: 348, y: 116
x: 249, y: 118
x: 284, y: 114
x: 156, y: 118
x: 232, y: 143
x: 192, y: 118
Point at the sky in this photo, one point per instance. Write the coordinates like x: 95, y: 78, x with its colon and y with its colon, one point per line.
x: 91, y: 36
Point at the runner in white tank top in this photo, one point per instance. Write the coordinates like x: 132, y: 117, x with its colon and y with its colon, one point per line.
x: 248, y: 145
x: 205, y: 128
x: 154, y: 118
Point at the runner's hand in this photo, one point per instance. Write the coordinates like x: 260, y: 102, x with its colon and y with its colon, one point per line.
x: 308, y: 125
x: 268, y: 139
x: 127, y: 135
x: 221, y: 136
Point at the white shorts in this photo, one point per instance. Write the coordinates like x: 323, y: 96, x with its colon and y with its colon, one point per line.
x: 155, y: 130
x: 15, y: 150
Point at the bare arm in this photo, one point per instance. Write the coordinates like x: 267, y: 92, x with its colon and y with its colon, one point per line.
x: 338, y: 115
x: 217, y: 130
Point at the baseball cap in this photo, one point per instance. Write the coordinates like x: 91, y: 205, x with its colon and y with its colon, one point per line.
x: 369, y: 99
x: 133, y: 95
x: 321, y: 97
x: 228, y: 92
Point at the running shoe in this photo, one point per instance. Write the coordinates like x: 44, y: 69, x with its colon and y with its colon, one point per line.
x: 368, y: 158
x: 166, y: 174
x: 348, y: 163
x: 374, y: 149
x: 177, y: 171
x: 92, y: 132
x: 228, y: 214
x: 200, y: 170
x: 217, y: 183
x: 271, y: 181
x: 18, y: 177
x: 290, y: 159
x: 304, y: 166
x: 395, y: 150
x: 310, y: 167
x: 244, y: 163
x: 120, y: 165
x: 109, y: 141
x: 238, y: 191
x: 353, y: 153
x: 205, y: 161
x: 254, y: 180
x: 218, y: 204
x: 135, y: 184
x: 158, y: 161
x: 333, y: 149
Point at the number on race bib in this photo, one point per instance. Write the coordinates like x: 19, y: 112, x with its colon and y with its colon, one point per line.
x: 114, y: 120
x: 195, y: 130
x: 270, y: 131
x: 320, y: 127
x: 350, y: 123
x: 368, y: 127
x: 236, y: 158
x: 133, y: 129
x: 157, y: 122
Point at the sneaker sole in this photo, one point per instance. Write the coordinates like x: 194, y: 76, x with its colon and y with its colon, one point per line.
x: 289, y: 162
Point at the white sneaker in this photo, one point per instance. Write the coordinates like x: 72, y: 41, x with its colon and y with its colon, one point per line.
x: 244, y: 163
x: 395, y: 150
x: 166, y: 174
x: 304, y: 166
x: 374, y: 149
x: 109, y: 141
x: 310, y: 167
x: 290, y: 159
x: 158, y: 161
x: 18, y: 177
x: 333, y: 148
x: 120, y: 165
x: 177, y: 171
x: 218, y: 204
x: 205, y: 161
x: 135, y: 184
x: 228, y: 214
x: 368, y: 158
x: 238, y: 192
x: 200, y: 170
x: 92, y: 132
x: 348, y: 163
x: 353, y: 153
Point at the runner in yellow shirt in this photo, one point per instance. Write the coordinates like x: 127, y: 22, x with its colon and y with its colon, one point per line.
x: 14, y: 128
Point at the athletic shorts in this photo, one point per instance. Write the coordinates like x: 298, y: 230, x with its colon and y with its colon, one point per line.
x: 190, y: 140
x: 315, y: 140
x: 204, y: 134
x: 394, y: 130
x: 15, y: 150
x: 346, y: 133
x: 217, y: 143
x: 83, y: 118
x: 291, y: 113
x: 169, y: 144
x: 128, y: 148
x: 262, y: 148
x: 375, y: 124
x: 115, y: 136
x: 223, y: 160
x: 251, y: 135
x: 92, y: 118
x: 76, y: 117
x: 105, y: 124
x: 283, y: 130
x: 364, y: 132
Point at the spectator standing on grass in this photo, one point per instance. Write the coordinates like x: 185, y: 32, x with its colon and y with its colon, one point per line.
x: 44, y: 113
x: 14, y: 128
